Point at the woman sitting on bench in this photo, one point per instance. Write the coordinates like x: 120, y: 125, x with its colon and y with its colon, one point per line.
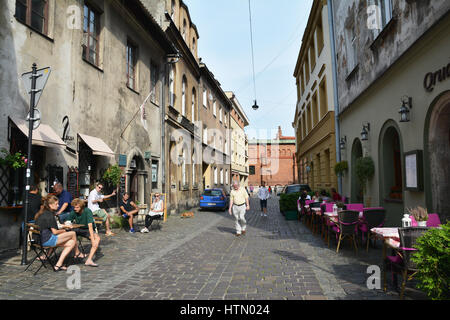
x: 156, y: 212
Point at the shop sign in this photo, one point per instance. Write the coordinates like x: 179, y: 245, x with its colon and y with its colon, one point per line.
x: 432, y: 77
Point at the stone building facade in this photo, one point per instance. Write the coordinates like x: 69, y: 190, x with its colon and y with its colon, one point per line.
x: 392, y: 56
x: 272, y: 161
x: 314, y: 120
x: 239, y: 142
x: 106, y: 57
x: 215, y: 122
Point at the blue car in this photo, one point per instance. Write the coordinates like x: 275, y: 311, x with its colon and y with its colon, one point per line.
x: 214, y: 199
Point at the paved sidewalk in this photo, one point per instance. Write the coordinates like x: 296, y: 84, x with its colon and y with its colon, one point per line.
x: 200, y: 258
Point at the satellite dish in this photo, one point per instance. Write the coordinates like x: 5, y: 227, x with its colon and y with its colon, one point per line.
x: 36, y: 119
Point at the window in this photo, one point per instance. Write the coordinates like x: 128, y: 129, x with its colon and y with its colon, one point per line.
x: 172, y: 15
x: 184, y: 29
x: 205, y: 135
x: 323, y: 98
x: 225, y: 118
x: 131, y: 65
x: 220, y: 114
x: 153, y: 82
x: 194, y: 179
x: 183, y: 97
x: 384, y: 15
x: 221, y: 176
x: 214, y: 108
x: 319, y: 31
x: 351, y: 46
x: 226, y: 147
x: 251, y: 170
x: 183, y: 169
x: 312, y: 53
x: 215, y: 175
x: 33, y: 13
x: 193, y: 105
x: 226, y: 176
x: 205, y: 99
x: 91, y: 32
x: 171, y: 86
x: 315, y: 111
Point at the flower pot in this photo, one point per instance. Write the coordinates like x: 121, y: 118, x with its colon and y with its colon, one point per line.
x: 421, y: 223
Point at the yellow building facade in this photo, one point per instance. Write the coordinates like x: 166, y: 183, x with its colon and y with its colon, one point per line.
x: 314, y: 120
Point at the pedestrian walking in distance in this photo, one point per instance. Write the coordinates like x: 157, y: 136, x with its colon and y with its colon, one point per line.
x: 239, y: 204
x: 263, y: 195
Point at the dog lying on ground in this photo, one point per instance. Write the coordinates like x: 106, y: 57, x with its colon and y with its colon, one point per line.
x: 187, y: 215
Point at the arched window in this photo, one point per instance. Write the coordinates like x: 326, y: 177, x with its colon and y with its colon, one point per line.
x: 193, y: 105
x: 184, y: 29
x: 183, y: 97
x: 194, y: 179
x: 172, y: 15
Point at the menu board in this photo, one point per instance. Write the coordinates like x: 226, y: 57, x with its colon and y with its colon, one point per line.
x: 122, y: 185
x: 413, y: 170
x: 72, y: 183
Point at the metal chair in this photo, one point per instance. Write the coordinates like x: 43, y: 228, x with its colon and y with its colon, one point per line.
x: 372, y: 218
x: 346, y: 226
x: 34, y: 238
x: 401, y: 262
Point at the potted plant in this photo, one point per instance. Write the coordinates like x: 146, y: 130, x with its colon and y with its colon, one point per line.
x: 364, y: 169
x: 288, y: 205
x: 112, y: 175
x: 14, y: 161
x: 420, y: 215
x: 340, y: 168
x: 432, y: 259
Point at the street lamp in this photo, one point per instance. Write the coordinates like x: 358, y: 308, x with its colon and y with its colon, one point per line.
x: 404, y: 109
x: 255, y: 106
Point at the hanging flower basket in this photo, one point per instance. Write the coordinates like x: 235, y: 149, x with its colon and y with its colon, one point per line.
x: 14, y: 161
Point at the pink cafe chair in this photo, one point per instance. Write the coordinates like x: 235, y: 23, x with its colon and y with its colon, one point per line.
x: 433, y: 220
x: 401, y: 263
x: 327, y: 223
x: 355, y: 207
x: 372, y: 218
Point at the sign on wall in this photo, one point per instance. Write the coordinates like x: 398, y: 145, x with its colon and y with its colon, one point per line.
x: 413, y: 171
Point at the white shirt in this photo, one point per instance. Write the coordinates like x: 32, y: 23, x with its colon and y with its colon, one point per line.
x: 263, y: 193
x: 94, y: 195
x: 156, y: 206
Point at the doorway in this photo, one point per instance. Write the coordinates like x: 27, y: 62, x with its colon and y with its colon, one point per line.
x: 356, y: 189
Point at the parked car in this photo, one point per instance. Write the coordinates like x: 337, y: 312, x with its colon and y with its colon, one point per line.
x: 292, y: 188
x: 215, y: 198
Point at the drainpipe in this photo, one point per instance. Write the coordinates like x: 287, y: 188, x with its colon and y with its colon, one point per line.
x: 335, y: 88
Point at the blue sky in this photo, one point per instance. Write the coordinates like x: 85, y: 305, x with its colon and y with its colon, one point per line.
x: 225, y: 47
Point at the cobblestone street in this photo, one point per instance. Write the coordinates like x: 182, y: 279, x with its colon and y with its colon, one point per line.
x: 200, y: 259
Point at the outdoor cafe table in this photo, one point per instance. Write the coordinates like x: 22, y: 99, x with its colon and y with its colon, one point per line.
x: 390, y: 236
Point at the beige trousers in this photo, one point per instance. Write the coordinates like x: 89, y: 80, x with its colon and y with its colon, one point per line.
x: 239, y: 216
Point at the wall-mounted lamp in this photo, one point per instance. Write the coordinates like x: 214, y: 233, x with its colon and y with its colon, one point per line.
x: 343, y: 142
x: 365, y: 132
x: 405, y: 109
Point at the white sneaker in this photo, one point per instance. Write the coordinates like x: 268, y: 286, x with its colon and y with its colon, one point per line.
x: 145, y: 230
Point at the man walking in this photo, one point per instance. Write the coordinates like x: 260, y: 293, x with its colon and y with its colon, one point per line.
x: 263, y: 195
x: 239, y: 203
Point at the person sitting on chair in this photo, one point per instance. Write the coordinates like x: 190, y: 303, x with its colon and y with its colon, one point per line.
x: 84, y: 216
x: 95, y: 197
x: 51, y: 236
x: 128, y: 209
x: 156, y: 211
